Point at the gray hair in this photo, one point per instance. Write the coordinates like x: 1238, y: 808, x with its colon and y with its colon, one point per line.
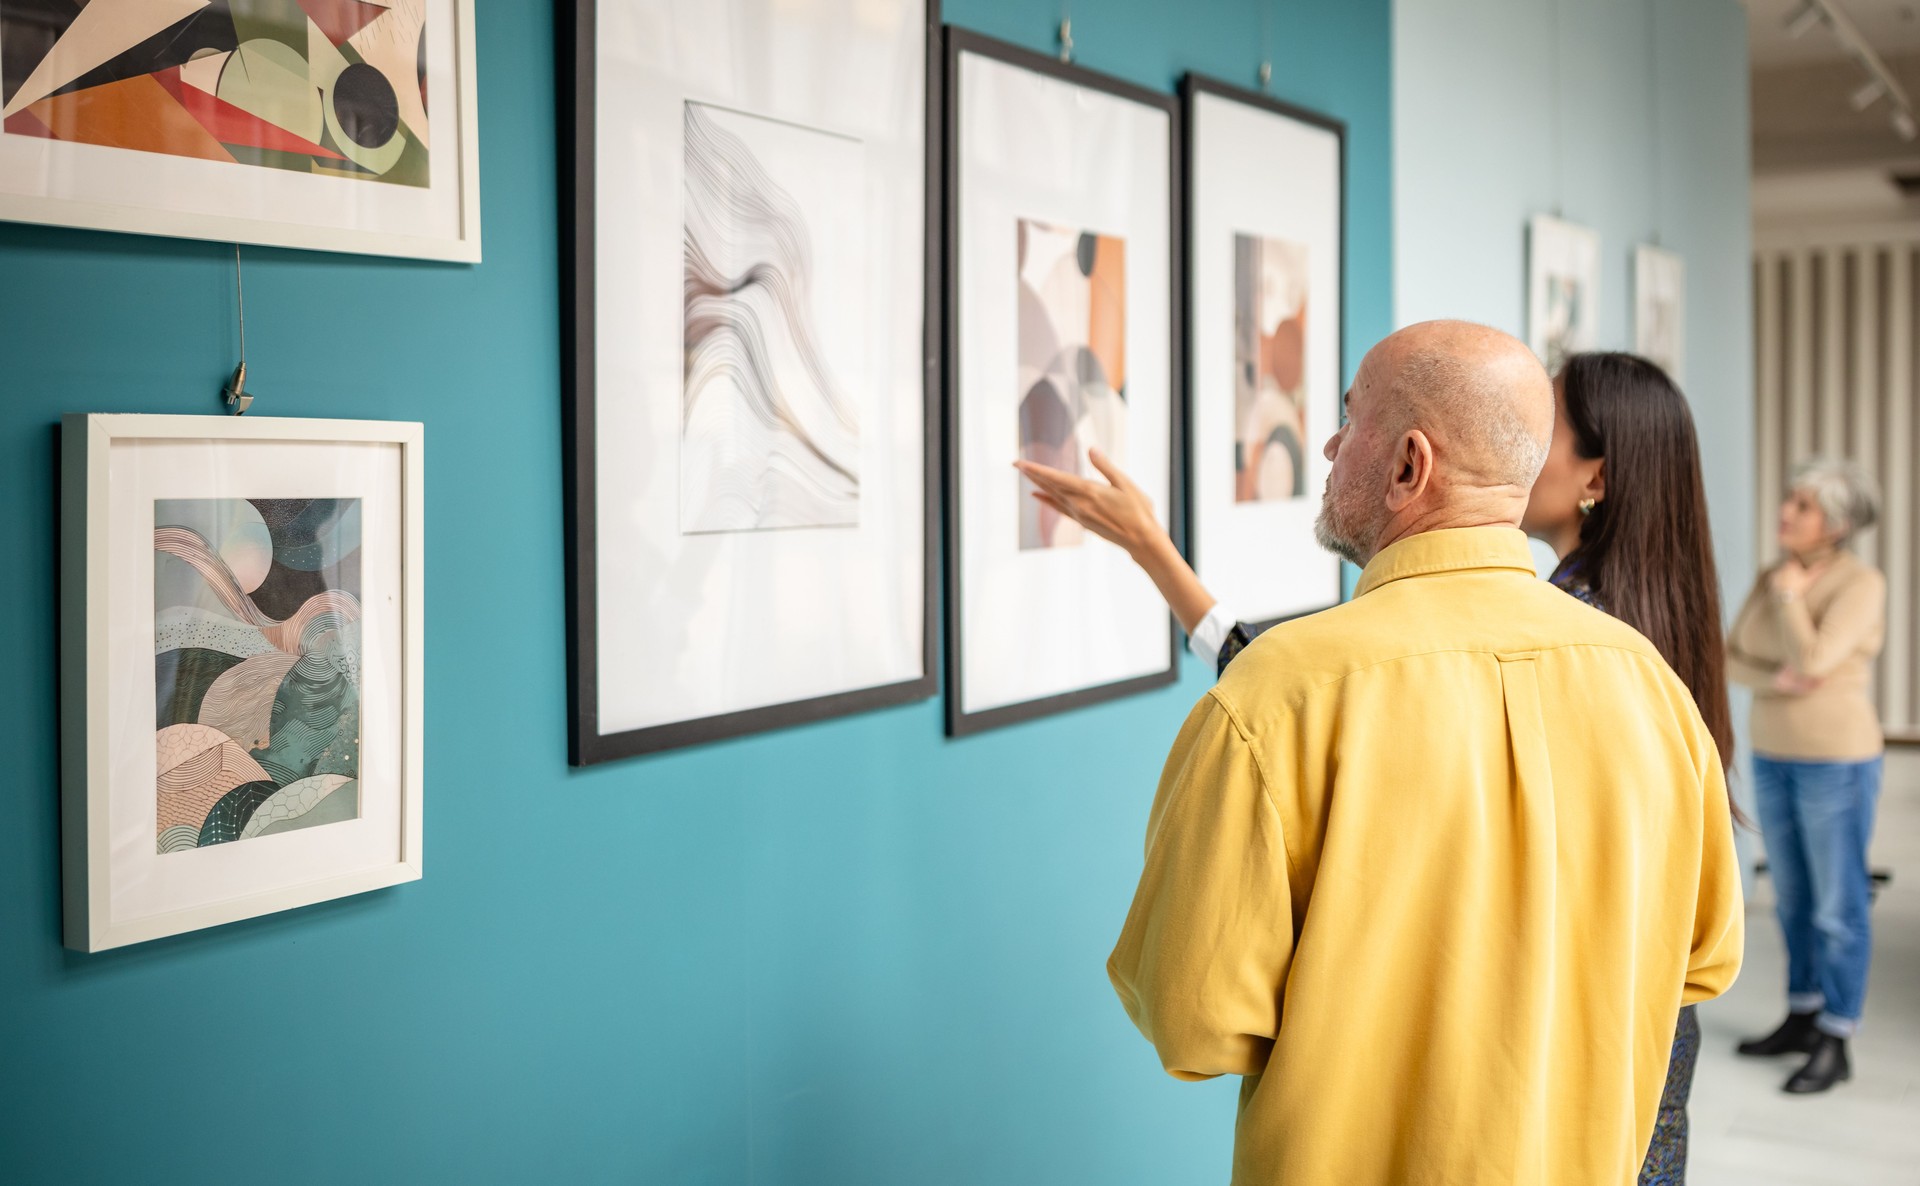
x: 1848, y: 498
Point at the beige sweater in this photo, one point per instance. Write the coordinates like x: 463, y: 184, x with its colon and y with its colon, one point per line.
x: 1831, y: 633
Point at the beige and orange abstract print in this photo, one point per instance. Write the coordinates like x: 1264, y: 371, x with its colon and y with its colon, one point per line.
x: 1269, y: 369
x: 1072, y: 362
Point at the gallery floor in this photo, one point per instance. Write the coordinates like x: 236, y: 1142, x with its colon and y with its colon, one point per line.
x: 1863, y: 1133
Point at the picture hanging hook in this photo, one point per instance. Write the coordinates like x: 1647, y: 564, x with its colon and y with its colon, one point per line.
x: 238, y: 398
x: 1066, y: 40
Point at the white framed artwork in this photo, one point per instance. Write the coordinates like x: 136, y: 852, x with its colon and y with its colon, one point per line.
x: 1264, y: 199
x: 749, y: 366
x: 1660, y: 309
x: 334, y: 126
x: 1063, y: 308
x: 242, y: 668
x: 1563, y: 289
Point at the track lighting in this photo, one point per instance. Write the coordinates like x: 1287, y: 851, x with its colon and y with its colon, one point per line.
x: 1810, y: 14
x: 1868, y: 94
x: 1904, y: 127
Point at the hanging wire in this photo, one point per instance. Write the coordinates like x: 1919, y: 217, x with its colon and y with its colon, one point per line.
x: 1266, y: 46
x: 240, y: 294
x: 238, y: 398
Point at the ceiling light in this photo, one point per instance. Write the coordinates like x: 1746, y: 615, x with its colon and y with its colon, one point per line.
x: 1810, y: 14
x: 1868, y: 94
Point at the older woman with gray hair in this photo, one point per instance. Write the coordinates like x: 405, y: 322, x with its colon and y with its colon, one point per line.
x: 1805, y: 642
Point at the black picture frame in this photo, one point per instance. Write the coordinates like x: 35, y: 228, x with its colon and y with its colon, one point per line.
x: 1193, y: 85
x: 959, y: 722
x: 586, y: 745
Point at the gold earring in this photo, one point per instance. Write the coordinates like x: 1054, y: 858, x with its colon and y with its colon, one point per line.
x: 1587, y: 505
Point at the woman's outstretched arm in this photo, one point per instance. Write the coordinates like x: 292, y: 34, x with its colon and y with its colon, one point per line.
x: 1119, y: 512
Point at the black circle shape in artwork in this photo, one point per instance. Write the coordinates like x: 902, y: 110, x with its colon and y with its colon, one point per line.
x: 1089, y: 247
x: 365, y: 105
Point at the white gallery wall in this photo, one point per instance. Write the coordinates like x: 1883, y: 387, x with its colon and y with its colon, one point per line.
x: 1628, y: 116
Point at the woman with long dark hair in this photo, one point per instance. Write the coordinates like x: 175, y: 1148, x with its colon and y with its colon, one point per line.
x: 1621, y: 502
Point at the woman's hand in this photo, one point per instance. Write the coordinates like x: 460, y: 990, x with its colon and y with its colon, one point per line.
x: 1119, y: 512
x: 1116, y: 509
x: 1792, y: 579
x: 1789, y: 682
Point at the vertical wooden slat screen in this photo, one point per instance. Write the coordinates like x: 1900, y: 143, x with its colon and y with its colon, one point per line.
x: 1834, y: 321
x: 1896, y: 690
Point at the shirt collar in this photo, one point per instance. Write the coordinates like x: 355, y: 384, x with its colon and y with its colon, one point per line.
x: 1454, y: 550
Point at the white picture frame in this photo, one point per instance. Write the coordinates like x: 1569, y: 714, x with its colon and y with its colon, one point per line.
x: 706, y: 598
x: 1265, y: 189
x: 122, y: 479
x: 1660, y: 309
x: 1062, y: 224
x: 1563, y: 289
x: 221, y: 126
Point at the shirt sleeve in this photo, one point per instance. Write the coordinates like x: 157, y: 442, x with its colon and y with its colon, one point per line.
x: 1203, y: 957
x: 1719, y: 916
x: 1856, y: 614
x: 1211, y: 634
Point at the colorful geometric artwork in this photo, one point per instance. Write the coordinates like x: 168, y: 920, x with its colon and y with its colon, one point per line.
x: 1072, y: 362
x: 770, y: 434
x: 1270, y: 369
x: 256, y: 666
x: 328, y: 87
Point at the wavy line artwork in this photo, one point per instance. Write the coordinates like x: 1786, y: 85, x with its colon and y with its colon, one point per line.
x: 770, y: 426
x: 256, y: 667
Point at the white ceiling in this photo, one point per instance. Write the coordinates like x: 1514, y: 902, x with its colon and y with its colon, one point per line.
x: 1891, y: 26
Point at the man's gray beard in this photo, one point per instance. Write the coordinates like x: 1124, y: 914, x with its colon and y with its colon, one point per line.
x: 1329, y: 536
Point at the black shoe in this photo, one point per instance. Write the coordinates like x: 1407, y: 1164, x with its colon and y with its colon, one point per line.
x: 1827, y: 1067
x: 1796, y: 1035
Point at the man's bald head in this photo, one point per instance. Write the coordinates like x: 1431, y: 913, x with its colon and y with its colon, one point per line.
x: 1479, y: 394
x: 1448, y: 426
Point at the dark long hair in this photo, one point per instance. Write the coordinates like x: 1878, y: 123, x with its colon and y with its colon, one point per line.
x: 1646, y: 551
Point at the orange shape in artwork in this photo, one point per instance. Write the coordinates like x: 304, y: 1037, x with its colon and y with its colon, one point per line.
x: 1107, y: 312
x: 341, y: 19
x: 135, y: 113
x: 232, y: 125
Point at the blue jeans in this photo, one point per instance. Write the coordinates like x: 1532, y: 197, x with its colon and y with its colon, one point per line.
x: 1817, y: 818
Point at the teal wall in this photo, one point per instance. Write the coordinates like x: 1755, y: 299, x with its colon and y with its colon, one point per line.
x: 849, y: 953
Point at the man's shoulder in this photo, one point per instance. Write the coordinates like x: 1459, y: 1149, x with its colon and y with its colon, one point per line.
x: 1413, y: 618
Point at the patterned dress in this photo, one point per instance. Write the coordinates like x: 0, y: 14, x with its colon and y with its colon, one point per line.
x: 1666, y: 1163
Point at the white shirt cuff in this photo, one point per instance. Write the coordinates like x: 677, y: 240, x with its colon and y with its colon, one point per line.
x: 1211, y: 634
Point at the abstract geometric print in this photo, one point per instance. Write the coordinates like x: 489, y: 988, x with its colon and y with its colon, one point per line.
x: 1073, y: 361
x: 1269, y: 369
x: 329, y: 87
x: 770, y: 436
x: 256, y: 666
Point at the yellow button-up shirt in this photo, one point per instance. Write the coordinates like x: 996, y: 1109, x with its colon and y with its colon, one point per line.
x: 1435, y: 871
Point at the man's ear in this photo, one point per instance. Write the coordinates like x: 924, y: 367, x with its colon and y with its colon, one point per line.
x: 1412, y: 471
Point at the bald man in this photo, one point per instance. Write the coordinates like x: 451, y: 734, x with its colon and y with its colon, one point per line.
x: 1434, y: 871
